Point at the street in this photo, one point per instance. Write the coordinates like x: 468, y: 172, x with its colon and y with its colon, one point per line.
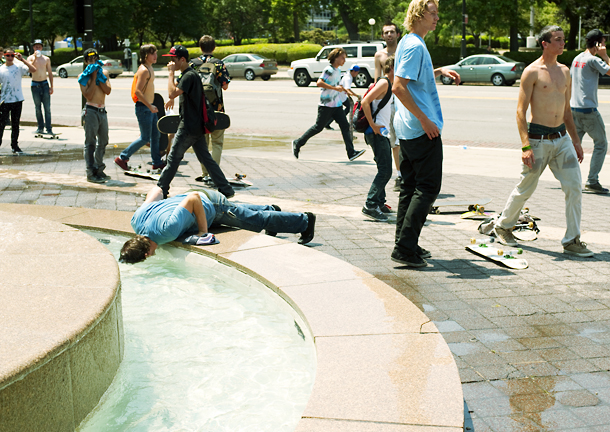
x: 482, y: 115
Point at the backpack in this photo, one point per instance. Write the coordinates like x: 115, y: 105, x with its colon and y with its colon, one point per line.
x: 209, y: 116
x: 134, y: 85
x: 207, y: 73
x: 361, y: 124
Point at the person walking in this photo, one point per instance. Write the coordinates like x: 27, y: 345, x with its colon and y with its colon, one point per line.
x: 42, y: 87
x: 585, y: 71
x: 330, y: 106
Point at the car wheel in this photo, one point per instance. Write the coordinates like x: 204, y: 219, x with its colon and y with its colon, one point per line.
x: 266, y: 77
x: 302, y: 78
x: 446, y: 80
x: 113, y: 75
x: 249, y: 75
x: 362, y: 79
x: 63, y: 73
x: 498, y: 79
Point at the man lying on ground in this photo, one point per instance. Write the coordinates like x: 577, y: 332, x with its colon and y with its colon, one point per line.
x: 160, y: 221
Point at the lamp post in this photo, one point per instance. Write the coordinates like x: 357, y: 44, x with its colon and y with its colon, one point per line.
x: 372, y: 24
x: 463, y: 52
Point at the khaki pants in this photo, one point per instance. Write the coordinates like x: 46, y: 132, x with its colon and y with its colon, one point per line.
x: 560, y: 156
x: 216, y: 139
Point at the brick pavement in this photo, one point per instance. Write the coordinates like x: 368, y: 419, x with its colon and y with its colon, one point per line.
x: 532, y: 346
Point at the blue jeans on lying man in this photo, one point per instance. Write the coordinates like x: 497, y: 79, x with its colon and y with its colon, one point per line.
x: 147, y: 120
x: 254, y: 217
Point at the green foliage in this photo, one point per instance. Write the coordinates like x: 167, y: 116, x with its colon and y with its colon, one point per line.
x: 317, y: 36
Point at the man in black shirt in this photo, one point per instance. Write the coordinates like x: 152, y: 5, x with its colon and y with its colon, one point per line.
x: 191, y: 129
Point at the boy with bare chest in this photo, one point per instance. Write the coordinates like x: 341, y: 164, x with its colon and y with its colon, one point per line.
x: 42, y: 87
x: 546, y: 88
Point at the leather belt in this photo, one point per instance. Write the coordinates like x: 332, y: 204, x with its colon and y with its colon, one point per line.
x: 547, y: 137
x: 584, y: 110
x: 91, y: 107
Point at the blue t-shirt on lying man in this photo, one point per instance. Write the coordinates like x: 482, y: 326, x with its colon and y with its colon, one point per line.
x: 166, y: 220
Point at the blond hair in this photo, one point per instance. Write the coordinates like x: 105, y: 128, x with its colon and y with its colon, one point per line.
x: 416, y: 12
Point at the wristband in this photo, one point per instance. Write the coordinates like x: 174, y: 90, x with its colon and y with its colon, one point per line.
x: 527, y: 147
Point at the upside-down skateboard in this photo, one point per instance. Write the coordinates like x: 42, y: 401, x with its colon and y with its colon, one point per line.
x: 169, y: 123
x: 46, y: 135
x: 159, y: 103
x: 477, y: 213
x: 148, y: 174
x: 502, y: 256
x: 238, y: 180
x: 470, y: 204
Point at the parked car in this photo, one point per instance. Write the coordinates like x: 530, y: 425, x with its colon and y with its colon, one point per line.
x: 304, y: 71
x: 498, y: 69
x: 250, y: 66
x: 75, y: 67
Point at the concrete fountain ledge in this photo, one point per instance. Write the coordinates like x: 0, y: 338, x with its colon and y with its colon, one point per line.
x: 61, y: 338
x: 381, y: 364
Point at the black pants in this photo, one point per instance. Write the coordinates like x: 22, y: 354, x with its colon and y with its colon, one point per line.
x: 421, y: 167
x: 325, y: 114
x: 14, y: 109
x: 347, y: 110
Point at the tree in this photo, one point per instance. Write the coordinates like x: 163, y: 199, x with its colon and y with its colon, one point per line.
x: 355, y: 14
x: 287, y: 16
x: 241, y: 19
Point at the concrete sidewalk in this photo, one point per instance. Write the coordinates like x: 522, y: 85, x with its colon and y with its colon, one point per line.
x: 533, y: 346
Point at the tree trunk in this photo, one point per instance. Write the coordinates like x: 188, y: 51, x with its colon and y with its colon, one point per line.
x: 295, y: 26
x: 573, y: 21
x: 350, y: 26
x: 514, y: 39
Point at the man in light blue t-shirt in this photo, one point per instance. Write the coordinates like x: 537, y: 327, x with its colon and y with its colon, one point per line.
x: 586, y: 69
x: 159, y: 221
x: 418, y: 123
x: 330, y: 106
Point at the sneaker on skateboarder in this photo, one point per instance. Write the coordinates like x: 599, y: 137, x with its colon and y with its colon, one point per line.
x: 545, y: 89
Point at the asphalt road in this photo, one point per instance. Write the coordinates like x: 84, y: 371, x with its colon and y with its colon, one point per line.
x: 279, y: 109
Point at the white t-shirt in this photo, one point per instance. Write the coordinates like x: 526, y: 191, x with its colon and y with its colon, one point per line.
x: 10, y: 78
x: 346, y: 83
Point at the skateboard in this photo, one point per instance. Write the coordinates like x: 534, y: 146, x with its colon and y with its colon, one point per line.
x: 508, y: 258
x: 470, y: 204
x: 160, y: 104
x: 238, y: 180
x: 478, y: 213
x: 47, y: 135
x: 169, y: 123
x: 148, y: 174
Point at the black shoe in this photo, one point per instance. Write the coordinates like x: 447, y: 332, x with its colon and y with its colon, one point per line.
x: 408, y: 260
x: 273, y: 233
x: 95, y: 179
x: 295, y: 149
x: 228, y: 193
x: 103, y: 176
x: 307, y: 235
x: 595, y: 188
x: 423, y: 253
x: 375, y: 214
x: 328, y: 128
x: 386, y: 209
x: 16, y: 150
x: 356, y: 155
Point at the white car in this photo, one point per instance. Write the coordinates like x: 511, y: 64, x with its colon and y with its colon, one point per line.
x: 304, y: 71
x: 75, y: 67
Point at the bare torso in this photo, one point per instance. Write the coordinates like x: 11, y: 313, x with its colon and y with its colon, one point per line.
x: 380, y: 58
x: 548, y: 100
x: 42, y: 65
x: 98, y: 96
x: 149, y: 91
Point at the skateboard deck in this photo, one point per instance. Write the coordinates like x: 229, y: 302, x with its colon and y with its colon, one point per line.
x: 159, y: 103
x: 134, y: 172
x: 470, y: 204
x: 238, y: 180
x: 508, y: 258
x: 169, y: 123
x: 478, y: 213
x: 47, y: 135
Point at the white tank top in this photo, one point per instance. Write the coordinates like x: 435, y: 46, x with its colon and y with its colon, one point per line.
x: 384, y: 115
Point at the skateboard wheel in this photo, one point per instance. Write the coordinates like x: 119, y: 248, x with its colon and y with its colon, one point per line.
x: 436, y: 210
x: 519, y: 251
x: 471, y: 208
x: 531, y: 225
x: 500, y: 252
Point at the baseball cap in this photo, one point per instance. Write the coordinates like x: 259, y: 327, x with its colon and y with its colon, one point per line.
x: 37, y: 41
x: 177, y: 51
x: 595, y: 35
x: 355, y: 68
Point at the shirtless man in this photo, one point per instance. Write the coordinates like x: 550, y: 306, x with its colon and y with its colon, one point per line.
x: 390, y: 34
x: 546, y: 88
x: 96, y: 122
x: 41, y: 90
x: 146, y: 112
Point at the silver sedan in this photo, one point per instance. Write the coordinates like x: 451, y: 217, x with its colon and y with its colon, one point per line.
x: 75, y: 67
x: 497, y: 69
x: 250, y: 66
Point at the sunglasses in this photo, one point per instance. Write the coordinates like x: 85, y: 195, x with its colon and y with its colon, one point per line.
x: 9, y: 55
